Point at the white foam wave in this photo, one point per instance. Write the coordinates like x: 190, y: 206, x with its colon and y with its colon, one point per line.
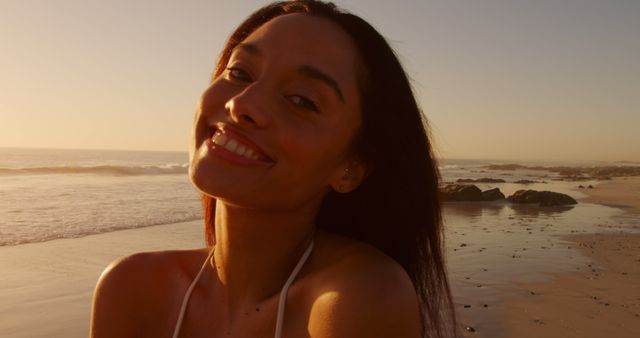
x: 82, y: 232
x: 115, y: 170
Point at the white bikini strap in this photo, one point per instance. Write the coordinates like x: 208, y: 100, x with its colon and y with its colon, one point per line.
x: 285, y: 289
x: 281, y: 302
x: 187, y: 295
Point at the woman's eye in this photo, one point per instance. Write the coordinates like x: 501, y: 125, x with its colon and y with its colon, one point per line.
x: 303, y: 102
x: 238, y: 74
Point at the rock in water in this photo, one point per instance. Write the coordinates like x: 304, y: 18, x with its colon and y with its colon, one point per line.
x: 544, y: 198
x: 492, y: 195
x: 461, y: 192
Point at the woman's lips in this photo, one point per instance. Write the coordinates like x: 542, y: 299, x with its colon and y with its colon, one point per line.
x: 235, y: 147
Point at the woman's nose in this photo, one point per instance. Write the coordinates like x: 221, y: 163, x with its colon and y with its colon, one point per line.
x: 248, y: 107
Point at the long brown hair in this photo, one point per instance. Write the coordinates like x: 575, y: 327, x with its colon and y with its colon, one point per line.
x: 397, y: 207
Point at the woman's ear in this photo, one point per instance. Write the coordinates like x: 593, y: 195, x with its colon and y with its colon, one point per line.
x: 349, y: 176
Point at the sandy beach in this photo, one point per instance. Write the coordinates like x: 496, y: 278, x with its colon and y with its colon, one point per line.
x: 622, y: 192
x: 602, y: 297
x: 46, y: 288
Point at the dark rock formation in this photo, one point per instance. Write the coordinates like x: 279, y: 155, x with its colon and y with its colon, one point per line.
x: 615, y: 171
x: 461, y: 192
x: 492, y: 195
x: 469, y: 193
x: 543, y: 198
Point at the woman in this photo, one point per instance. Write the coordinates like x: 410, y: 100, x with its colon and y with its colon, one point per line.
x: 320, y: 197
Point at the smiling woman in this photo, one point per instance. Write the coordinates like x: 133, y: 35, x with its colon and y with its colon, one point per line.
x: 320, y: 195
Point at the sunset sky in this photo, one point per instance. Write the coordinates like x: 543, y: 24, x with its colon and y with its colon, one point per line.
x: 498, y: 79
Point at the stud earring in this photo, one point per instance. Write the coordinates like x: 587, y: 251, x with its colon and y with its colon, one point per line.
x: 347, y: 174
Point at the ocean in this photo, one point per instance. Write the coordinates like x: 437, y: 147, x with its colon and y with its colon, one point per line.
x: 47, y: 194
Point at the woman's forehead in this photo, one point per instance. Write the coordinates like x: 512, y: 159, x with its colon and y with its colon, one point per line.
x: 302, y: 39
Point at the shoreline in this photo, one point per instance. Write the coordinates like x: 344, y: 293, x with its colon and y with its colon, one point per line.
x: 620, y: 192
x: 602, y: 296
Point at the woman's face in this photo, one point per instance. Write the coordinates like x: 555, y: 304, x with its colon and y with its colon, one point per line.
x: 274, y: 129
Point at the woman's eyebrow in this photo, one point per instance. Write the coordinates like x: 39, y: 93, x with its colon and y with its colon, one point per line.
x: 304, y: 70
x: 317, y: 74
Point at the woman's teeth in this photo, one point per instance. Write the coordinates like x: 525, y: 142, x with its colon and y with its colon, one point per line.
x: 233, y: 146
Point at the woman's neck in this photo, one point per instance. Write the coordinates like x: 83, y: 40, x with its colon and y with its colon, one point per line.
x: 256, y: 251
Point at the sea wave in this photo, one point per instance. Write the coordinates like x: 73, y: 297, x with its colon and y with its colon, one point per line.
x: 449, y: 166
x: 114, y: 170
x: 82, y: 232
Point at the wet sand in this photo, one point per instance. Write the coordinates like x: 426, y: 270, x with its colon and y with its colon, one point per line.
x: 601, y: 298
x: 623, y: 193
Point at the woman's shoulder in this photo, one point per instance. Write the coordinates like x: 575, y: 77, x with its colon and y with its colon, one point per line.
x: 144, y: 265
x: 342, y: 262
x: 362, y: 292
x: 133, y: 287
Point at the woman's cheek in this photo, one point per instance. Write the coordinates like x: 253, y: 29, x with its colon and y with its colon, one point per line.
x: 215, y: 96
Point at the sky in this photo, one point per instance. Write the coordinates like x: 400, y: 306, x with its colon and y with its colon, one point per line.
x: 497, y: 79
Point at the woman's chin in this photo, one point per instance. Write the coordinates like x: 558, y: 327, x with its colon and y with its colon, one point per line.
x: 200, y: 179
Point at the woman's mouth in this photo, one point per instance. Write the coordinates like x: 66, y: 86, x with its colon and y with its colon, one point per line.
x: 233, y: 146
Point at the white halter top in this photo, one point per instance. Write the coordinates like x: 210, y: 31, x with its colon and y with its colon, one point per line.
x: 281, y: 302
